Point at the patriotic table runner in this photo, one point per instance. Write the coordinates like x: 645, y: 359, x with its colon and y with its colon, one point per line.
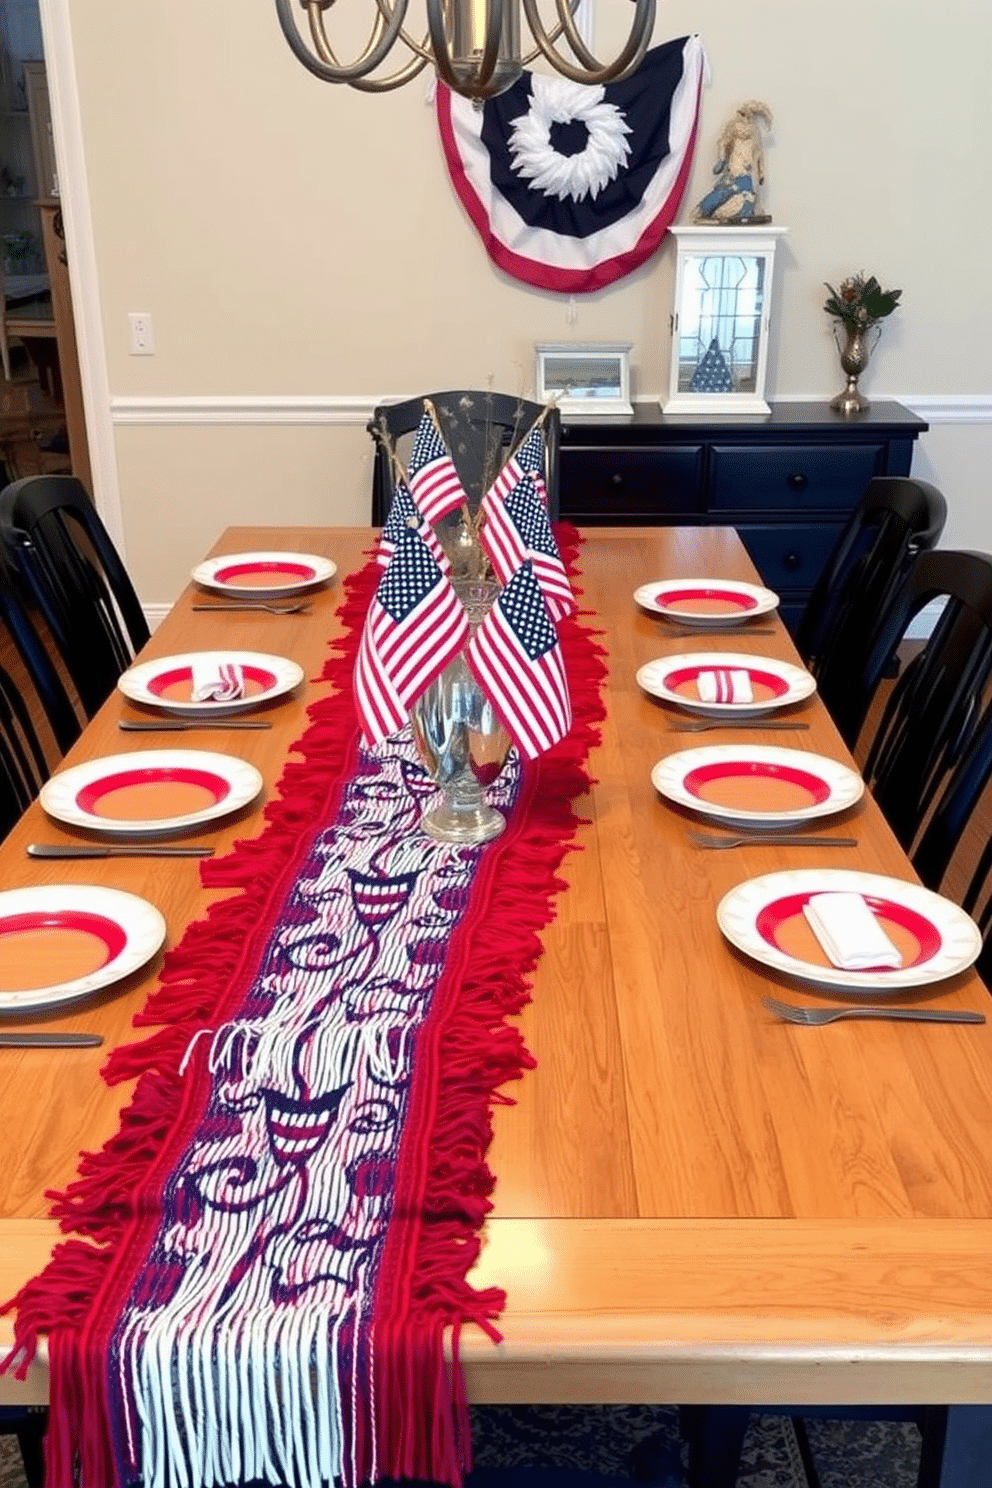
x: 268, y: 1256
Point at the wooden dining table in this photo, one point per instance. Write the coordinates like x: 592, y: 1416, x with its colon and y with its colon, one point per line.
x: 695, y: 1201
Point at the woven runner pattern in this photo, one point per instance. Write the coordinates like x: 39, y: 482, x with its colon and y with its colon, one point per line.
x: 272, y: 1252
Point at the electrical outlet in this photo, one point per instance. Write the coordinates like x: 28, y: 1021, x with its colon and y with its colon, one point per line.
x: 142, y: 336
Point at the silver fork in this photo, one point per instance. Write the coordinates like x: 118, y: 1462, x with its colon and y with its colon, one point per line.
x: 769, y: 839
x: 300, y: 608
x: 700, y: 632
x: 814, y: 1016
x: 700, y: 725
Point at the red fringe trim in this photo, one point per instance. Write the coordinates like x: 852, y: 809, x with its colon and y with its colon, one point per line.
x: 443, y: 1184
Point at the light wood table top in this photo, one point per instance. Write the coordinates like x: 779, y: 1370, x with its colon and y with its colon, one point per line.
x: 695, y: 1202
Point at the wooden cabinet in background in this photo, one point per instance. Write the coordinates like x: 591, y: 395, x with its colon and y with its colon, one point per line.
x: 786, y: 480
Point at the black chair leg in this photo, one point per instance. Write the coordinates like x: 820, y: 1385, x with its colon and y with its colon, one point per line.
x: 715, y: 1439
x: 805, y: 1451
x: 30, y: 1438
x: 934, y: 1431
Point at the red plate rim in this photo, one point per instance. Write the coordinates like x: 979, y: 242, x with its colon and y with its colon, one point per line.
x: 100, y: 926
x: 778, y: 685
x: 773, y: 915
x: 159, y: 683
x: 742, y: 601
x: 265, y: 566
x: 701, y: 775
x: 209, y: 780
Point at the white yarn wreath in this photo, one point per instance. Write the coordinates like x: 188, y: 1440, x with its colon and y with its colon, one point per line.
x: 558, y: 101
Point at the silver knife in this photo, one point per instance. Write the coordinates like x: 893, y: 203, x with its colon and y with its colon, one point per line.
x: 95, y: 850
x: 178, y: 725
x: 50, y: 1040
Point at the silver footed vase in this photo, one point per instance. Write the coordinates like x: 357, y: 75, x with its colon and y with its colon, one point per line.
x: 461, y: 740
x: 854, y: 358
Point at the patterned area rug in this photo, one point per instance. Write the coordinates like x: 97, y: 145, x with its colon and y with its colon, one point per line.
x: 600, y: 1439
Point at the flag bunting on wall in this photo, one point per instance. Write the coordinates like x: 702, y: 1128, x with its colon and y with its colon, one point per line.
x: 571, y: 186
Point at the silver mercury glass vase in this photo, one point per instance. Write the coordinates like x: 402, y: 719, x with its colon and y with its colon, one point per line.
x: 461, y: 740
x: 854, y: 357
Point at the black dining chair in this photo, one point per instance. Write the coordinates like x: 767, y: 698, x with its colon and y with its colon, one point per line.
x: 715, y: 1436
x: 481, y: 429
x: 28, y: 1423
x: 896, y: 518
x: 37, y: 720
x: 938, y: 707
x: 69, y: 568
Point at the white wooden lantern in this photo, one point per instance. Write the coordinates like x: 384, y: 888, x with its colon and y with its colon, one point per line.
x: 723, y: 296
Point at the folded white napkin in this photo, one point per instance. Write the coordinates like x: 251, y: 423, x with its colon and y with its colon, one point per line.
x: 725, y: 685
x: 849, y: 933
x: 217, y: 681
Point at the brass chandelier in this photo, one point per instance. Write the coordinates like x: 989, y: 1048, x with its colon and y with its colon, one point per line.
x: 474, y: 45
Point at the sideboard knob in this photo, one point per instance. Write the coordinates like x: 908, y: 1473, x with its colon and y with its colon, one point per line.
x: 616, y: 479
x: 791, y: 561
x: 797, y: 481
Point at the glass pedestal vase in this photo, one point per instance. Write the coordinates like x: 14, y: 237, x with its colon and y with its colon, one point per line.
x: 461, y: 740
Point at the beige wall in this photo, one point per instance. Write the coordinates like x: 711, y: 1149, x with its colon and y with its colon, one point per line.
x: 293, y: 238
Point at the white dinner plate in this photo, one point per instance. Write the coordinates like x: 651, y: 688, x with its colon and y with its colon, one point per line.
x: 263, y: 575
x: 167, y: 681
x: 761, y: 917
x: 757, y: 785
x: 88, y: 937
x: 150, y: 791
x: 775, y: 683
x: 705, y: 602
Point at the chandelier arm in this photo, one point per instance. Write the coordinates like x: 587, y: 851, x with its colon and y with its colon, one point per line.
x: 566, y: 25
x: 552, y: 36
x: 388, y: 24
x: 595, y: 71
x: 383, y: 85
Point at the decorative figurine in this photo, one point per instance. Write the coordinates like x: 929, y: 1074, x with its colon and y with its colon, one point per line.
x: 740, y: 168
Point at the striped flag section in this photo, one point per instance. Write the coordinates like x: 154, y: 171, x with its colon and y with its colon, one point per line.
x: 527, y: 459
x: 415, y: 625
x: 403, y: 513
x: 517, y: 529
x: 434, y: 482
x: 516, y: 658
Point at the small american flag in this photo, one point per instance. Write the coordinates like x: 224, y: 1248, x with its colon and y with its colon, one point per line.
x: 517, y: 660
x: 434, y: 482
x: 403, y: 513
x: 415, y: 625
x: 517, y: 528
x: 527, y: 459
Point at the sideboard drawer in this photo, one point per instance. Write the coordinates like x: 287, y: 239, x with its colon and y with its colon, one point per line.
x: 626, y: 486
x: 790, y: 557
x: 801, y: 478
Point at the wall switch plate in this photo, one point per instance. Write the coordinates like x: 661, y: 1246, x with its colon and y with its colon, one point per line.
x: 141, y: 334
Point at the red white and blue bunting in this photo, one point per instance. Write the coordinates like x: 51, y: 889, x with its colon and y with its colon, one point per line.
x: 572, y: 187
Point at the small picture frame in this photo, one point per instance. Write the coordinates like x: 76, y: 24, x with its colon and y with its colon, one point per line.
x: 584, y: 377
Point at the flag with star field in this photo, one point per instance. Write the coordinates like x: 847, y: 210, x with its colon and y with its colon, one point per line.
x: 415, y: 625
x: 572, y: 186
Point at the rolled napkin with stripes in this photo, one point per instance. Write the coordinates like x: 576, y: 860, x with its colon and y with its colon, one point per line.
x: 216, y: 680
x: 725, y: 685
x: 849, y: 932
